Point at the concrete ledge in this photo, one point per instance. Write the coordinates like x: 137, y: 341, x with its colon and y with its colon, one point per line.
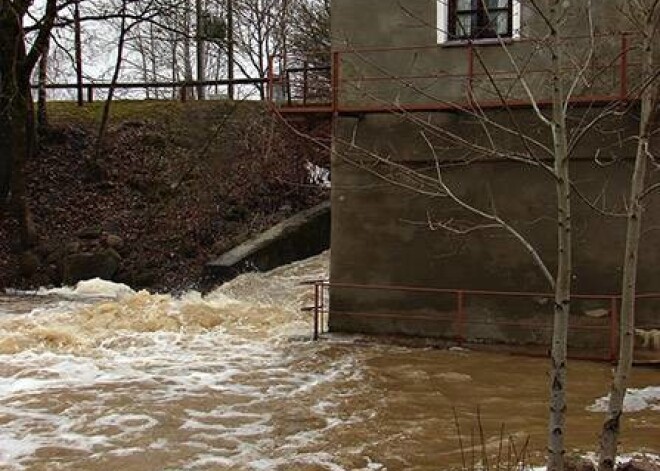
x: 302, y: 235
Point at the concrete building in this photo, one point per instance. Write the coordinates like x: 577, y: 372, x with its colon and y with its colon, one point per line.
x: 428, y: 89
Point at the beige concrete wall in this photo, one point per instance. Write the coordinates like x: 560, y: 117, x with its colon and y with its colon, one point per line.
x: 380, y: 234
x: 424, y: 72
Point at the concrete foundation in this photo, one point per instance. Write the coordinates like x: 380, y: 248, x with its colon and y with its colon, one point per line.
x: 380, y: 222
x: 301, y: 236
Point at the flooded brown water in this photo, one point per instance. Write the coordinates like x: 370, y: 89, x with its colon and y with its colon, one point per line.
x: 102, y: 378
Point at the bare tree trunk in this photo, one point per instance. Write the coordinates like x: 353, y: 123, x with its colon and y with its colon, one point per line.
x: 201, y: 50
x: 187, y: 54
x: 143, y: 50
x: 16, y: 110
x: 42, y: 112
x: 78, y: 48
x: 175, y: 65
x: 153, y: 64
x: 230, y: 48
x: 558, y: 376
x: 111, y: 91
x: 612, y: 425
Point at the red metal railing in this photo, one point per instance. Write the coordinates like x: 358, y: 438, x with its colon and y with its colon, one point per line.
x: 301, y: 82
x: 373, y: 86
x: 460, y: 319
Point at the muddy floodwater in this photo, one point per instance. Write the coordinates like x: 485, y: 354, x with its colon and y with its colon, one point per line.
x: 103, y: 378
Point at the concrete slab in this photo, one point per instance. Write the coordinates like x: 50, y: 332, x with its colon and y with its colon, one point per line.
x: 302, y: 235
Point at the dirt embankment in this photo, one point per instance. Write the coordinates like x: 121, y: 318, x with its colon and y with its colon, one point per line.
x: 175, y: 184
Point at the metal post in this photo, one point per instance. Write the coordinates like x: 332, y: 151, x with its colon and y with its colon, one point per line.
x: 90, y: 94
x: 322, y: 308
x: 316, y: 312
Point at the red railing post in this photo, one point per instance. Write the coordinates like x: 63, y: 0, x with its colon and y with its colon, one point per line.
x: 460, y: 317
x: 335, y: 81
x: 614, y: 329
x: 322, y: 308
x: 623, y: 92
x: 315, y: 336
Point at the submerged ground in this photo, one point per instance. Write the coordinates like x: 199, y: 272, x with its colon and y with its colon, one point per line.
x: 104, y: 377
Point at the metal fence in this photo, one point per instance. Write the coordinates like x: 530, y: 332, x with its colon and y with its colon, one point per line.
x: 180, y: 90
x: 472, y: 75
x: 522, y: 321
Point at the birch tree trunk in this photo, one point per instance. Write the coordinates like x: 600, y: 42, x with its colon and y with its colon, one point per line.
x: 558, y: 373
x: 612, y: 425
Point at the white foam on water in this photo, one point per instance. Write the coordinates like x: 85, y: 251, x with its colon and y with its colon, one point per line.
x: 325, y: 460
x: 621, y: 459
x: 32, y: 430
x: 94, y: 288
x: 159, y: 444
x: 158, y: 371
x: 13, y: 449
x: 205, y: 461
x: 636, y: 400
x: 126, y: 451
x: 97, y: 371
x: 128, y: 423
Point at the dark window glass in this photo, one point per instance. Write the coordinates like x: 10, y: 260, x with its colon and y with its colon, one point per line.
x: 477, y: 19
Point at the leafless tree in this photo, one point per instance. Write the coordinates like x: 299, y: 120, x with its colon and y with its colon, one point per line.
x: 19, y: 54
x: 42, y: 112
x: 259, y: 32
x: 645, y: 16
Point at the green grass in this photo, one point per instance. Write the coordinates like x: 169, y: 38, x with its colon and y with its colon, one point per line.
x: 164, y: 111
x: 189, y: 124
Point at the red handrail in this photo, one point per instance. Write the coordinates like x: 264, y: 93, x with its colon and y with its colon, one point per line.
x: 426, y: 102
x: 459, y: 317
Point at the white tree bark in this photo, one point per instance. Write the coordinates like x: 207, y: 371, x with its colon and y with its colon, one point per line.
x: 558, y: 373
x: 612, y: 425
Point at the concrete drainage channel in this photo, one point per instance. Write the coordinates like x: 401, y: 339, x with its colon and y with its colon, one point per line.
x: 303, y: 235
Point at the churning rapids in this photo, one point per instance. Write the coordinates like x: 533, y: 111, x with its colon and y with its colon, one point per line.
x: 101, y: 377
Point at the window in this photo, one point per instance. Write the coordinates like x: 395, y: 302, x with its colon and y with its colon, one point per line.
x: 478, y: 19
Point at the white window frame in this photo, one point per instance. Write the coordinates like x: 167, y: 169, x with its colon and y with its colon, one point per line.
x: 443, y: 18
